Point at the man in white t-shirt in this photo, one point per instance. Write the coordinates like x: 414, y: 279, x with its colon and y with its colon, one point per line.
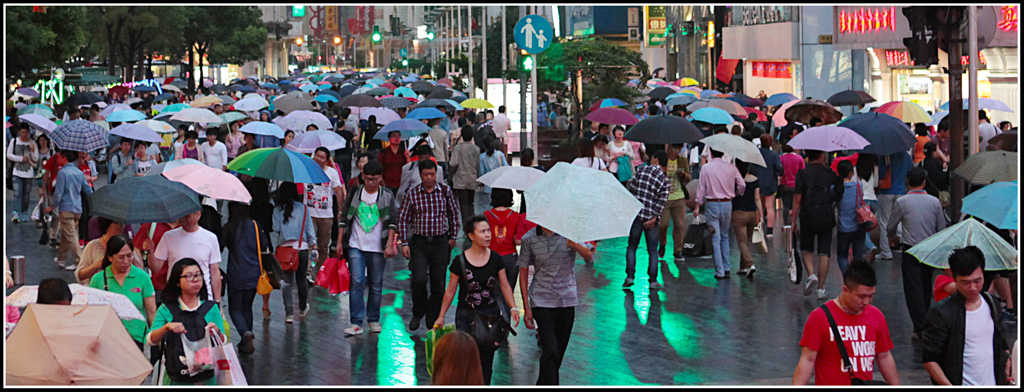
x: 194, y: 242
x: 501, y: 125
x: 985, y: 130
x: 215, y: 153
x: 318, y: 200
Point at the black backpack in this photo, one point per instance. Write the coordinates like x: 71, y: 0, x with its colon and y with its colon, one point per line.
x: 195, y: 329
x: 818, y: 208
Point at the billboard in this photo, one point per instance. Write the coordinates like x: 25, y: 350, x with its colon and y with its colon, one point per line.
x: 654, y: 25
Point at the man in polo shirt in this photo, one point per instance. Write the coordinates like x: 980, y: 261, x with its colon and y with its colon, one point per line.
x: 719, y: 182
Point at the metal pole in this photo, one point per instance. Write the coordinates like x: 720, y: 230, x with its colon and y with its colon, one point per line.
x: 522, y: 96
x: 458, y: 32
x: 484, y: 54
x: 972, y: 46
x: 534, y: 107
x: 504, y: 57
x: 956, y: 121
x: 469, y: 27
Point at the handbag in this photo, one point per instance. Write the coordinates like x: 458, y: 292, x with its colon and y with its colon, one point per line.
x: 488, y: 330
x: 866, y: 219
x: 944, y: 198
x: 263, y: 286
x: 288, y: 256
x: 847, y: 366
x: 343, y: 278
x: 697, y: 242
x: 794, y: 268
x: 227, y: 369
x: 758, y: 239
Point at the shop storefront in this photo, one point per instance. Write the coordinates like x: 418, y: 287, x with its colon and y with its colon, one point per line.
x: 771, y: 61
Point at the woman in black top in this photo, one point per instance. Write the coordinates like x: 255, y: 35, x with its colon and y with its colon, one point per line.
x: 746, y: 214
x: 483, y: 275
x: 938, y: 177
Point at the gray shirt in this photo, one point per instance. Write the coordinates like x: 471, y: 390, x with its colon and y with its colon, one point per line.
x: 921, y: 215
x: 465, y: 160
x: 554, y: 279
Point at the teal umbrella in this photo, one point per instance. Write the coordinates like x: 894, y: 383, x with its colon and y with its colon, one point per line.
x: 935, y: 250
x: 563, y: 201
x: 144, y: 199
x: 996, y: 204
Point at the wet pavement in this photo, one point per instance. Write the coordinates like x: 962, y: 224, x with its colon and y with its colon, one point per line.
x: 695, y: 331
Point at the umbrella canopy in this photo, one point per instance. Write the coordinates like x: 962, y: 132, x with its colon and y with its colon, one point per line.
x: 131, y: 101
x: 219, y: 88
x: 83, y: 98
x: 332, y: 93
x: 906, y: 111
x: 760, y: 115
x: 173, y: 108
x: 206, y: 101
x: 378, y: 91
x: 38, y: 122
x: 935, y: 250
x: 326, y: 98
x: 441, y: 93
x: 405, y: 92
x: 226, y: 100
x: 435, y: 102
x: 251, y: 104
x: 996, y: 204
x: 779, y: 99
x: 1006, y: 141
x: 28, y: 91
x: 664, y: 130
x: 79, y: 135
x: 157, y: 126
x: 263, y: 128
x: 210, y: 182
x: 984, y: 103
x: 144, y: 199
x: 712, y: 116
x: 685, y: 82
x: 41, y: 110
x: 828, y: 138
x: 746, y: 101
x: 612, y: 116
x: 159, y: 168
x: 73, y: 345
x: 476, y: 103
x: 383, y: 115
x: 110, y: 109
x: 608, y: 103
x: 804, y: 110
x: 850, y: 98
x: 424, y: 113
x: 709, y: 93
x: 446, y: 81
x: 660, y: 93
x: 360, y: 100
x: 730, y: 107
x: 279, y: 164
x: 408, y: 127
x: 163, y: 97
x: 988, y: 167
x: 308, y: 142
x: 779, y: 118
x: 455, y: 104
x: 293, y: 102
x: 511, y: 177
x: 137, y: 132
x: 736, y: 146
x: 563, y: 199
x: 421, y: 86
x: 936, y: 118
x: 300, y: 119
x: 120, y: 90
x: 681, y: 99
x: 194, y: 115
x: 170, y: 87
x: 125, y: 116
x: 395, y: 103
x: 887, y: 134
x: 144, y: 89
x: 81, y: 295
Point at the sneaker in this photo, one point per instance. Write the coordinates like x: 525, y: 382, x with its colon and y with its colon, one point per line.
x: 289, y: 319
x: 679, y: 256
x: 742, y: 271
x: 822, y: 294
x: 655, y: 286
x: 884, y: 256
x: 70, y: 267
x: 627, y: 284
x: 246, y: 347
x: 768, y: 232
x: 303, y: 311
x: 750, y: 272
x: 414, y: 324
x: 266, y: 314
x: 1009, y: 318
x: 354, y: 330
x: 15, y: 218
x: 726, y: 276
x: 810, y: 283
x: 54, y: 243
x: 375, y: 327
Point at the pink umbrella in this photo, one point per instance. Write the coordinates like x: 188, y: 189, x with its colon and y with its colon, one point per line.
x: 612, y: 116
x: 384, y: 115
x: 262, y: 92
x: 207, y: 83
x: 760, y: 115
x: 210, y: 182
x: 323, y: 82
x: 828, y: 138
x: 779, y: 118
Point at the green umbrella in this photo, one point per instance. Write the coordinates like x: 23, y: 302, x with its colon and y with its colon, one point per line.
x: 41, y: 110
x: 988, y: 167
x: 228, y: 118
x: 935, y: 250
x: 279, y: 164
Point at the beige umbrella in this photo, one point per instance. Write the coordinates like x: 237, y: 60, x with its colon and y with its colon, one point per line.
x: 170, y: 87
x: 202, y: 116
x: 73, y: 345
x: 206, y: 101
x: 290, y: 103
x: 732, y: 107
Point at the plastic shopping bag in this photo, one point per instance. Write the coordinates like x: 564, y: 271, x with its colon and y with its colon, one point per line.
x: 758, y: 239
x: 697, y: 242
x: 327, y: 272
x: 227, y: 368
x: 433, y: 336
x: 342, y: 278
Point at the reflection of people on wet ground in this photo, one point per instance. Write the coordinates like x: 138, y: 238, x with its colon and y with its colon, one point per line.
x: 645, y: 346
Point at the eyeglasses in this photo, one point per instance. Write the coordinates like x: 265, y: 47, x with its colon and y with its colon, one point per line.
x: 193, y: 277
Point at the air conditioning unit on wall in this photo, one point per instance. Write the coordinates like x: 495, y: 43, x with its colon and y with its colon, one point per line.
x: 634, y: 34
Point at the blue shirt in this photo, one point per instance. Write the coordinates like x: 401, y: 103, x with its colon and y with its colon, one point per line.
x: 896, y: 166
x: 446, y: 124
x: 848, y: 208
x: 768, y: 177
x: 67, y: 192
x: 243, y: 257
x: 263, y: 141
x: 291, y: 230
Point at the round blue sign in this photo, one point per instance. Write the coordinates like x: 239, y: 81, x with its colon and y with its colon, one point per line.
x: 533, y: 33
x: 403, y: 52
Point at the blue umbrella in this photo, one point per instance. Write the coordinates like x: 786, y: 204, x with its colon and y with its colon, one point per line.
x: 404, y: 92
x: 263, y: 128
x: 887, y: 134
x: 408, y: 128
x: 324, y: 87
x: 163, y: 97
x: 325, y: 98
x: 708, y: 93
x: 144, y: 199
x: 345, y: 91
x: 307, y: 88
x: 285, y: 81
x: 279, y: 164
x: 136, y: 132
x: 79, y: 135
x: 994, y: 203
x: 409, y: 79
x: 125, y: 116
x: 270, y: 86
x: 426, y: 114
x: 712, y: 116
x: 936, y: 118
x: 144, y: 89
x: 779, y: 99
x: 611, y: 103
x: 329, y: 92
x: 681, y: 99
x: 455, y: 104
x: 983, y: 103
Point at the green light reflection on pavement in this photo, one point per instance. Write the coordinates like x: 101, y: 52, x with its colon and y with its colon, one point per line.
x: 704, y: 276
x: 396, y: 354
x: 681, y: 332
x: 403, y: 275
x: 641, y: 303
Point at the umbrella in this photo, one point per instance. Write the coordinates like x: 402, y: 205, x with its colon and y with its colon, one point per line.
x: 272, y: 86
x: 425, y: 113
x: 131, y: 101
x: 936, y: 118
x: 435, y: 102
x: 455, y: 104
x: 779, y: 118
x: 712, y: 116
x: 360, y: 100
x: 144, y: 199
x: 378, y: 91
x: 173, y: 108
x: 736, y: 146
x: 828, y: 138
x: 144, y: 89
x: 210, y: 182
x: 983, y: 103
x: 779, y: 99
x: 384, y: 115
x: 81, y: 295
x: 163, y: 97
x: 395, y: 103
x: 760, y: 115
x: 79, y: 135
x: 804, y: 110
x: 110, y: 109
x: 935, y: 250
x: 728, y: 106
x: 228, y: 118
x: 709, y: 93
x: 245, y: 89
x: 446, y: 81
x: 476, y: 103
x: 206, y: 101
x: 685, y: 82
x: 511, y: 177
x: 73, y: 345
x: 681, y: 99
x: 159, y: 168
x: 746, y: 101
x: 326, y: 98
x: 988, y: 167
x: 279, y: 164
x: 421, y: 86
x: 408, y: 128
x: 608, y: 103
x: 121, y: 90
x: 125, y: 116
x: 251, y: 104
x: 347, y: 90
x: 308, y: 142
x: 38, y: 122
x: 331, y: 93
x: 219, y: 88
x: 563, y: 199
x: 157, y: 126
x: 906, y: 111
x: 612, y: 116
x: 322, y: 86
x: 41, y: 110
x: 307, y: 88
x: 226, y: 100
x: 136, y: 132
x: 1006, y: 141
x: 850, y: 98
x: 83, y: 98
x: 995, y: 203
x: 263, y: 128
x: 405, y: 92
x: 887, y: 134
x: 28, y: 91
x: 300, y: 119
x: 664, y: 130
x: 98, y: 89
x: 170, y: 87
x: 660, y: 93
x: 202, y: 116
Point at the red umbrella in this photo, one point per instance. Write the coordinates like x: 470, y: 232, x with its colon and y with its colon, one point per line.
x: 389, y: 86
x: 122, y: 90
x: 612, y: 116
x: 168, y: 80
x: 760, y: 115
x: 446, y: 81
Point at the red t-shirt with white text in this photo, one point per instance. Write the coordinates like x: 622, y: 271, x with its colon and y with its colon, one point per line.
x: 864, y: 335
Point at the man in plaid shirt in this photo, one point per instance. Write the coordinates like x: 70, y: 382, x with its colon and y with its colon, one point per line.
x: 651, y: 187
x: 432, y: 211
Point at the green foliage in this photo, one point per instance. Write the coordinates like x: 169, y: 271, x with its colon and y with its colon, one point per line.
x: 40, y: 40
x: 242, y: 46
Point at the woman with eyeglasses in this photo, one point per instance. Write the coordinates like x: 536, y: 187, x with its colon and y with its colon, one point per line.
x: 119, y: 275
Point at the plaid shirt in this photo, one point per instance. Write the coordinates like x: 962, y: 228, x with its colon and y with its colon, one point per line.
x: 429, y: 213
x: 650, y: 186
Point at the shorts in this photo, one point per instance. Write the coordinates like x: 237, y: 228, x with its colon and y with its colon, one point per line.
x: 824, y: 241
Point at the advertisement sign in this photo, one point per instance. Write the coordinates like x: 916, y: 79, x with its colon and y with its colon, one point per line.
x: 654, y: 25
x: 581, y: 20
x: 331, y: 19
x: 772, y: 69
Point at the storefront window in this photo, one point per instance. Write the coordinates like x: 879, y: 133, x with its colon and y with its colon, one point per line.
x: 755, y: 15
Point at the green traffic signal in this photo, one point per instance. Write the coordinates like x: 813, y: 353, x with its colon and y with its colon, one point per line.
x: 405, y: 62
x: 528, y: 63
x: 376, y: 34
x: 430, y: 36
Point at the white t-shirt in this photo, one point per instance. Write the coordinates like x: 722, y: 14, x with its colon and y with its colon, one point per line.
x: 868, y: 186
x: 360, y: 239
x: 318, y: 196
x: 200, y: 245
x: 593, y: 163
x: 986, y: 131
x: 978, y: 347
x: 216, y: 155
x: 501, y: 125
x: 142, y: 167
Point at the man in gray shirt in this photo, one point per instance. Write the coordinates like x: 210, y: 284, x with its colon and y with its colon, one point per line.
x: 921, y: 215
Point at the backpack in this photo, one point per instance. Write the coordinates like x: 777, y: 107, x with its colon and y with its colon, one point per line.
x: 174, y: 351
x: 818, y: 208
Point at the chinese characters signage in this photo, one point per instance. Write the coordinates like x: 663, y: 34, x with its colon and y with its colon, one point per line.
x: 654, y: 24
x: 363, y: 22
x: 901, y: 58
x: 1008, y: 17
x: 331, y: 19
x: 867, y: 20
x: 772, y: 69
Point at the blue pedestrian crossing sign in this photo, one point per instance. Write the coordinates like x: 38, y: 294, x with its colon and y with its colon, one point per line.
x: 403, y: 52
x: 533, y: 34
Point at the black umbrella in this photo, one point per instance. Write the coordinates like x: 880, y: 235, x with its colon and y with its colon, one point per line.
x: 664, y: 130
x: 660, y: 93
x: 84, y: 98
x: 360, y: 100
x: 887, y: 134
x: 440, y: 94
x: 219, y: 88
x: 421, y: 86
x: 458, y: 98
x: 745, y: 100
x: 345, y: 91
x: 395, y: 103
x: 434, y: 103
x: 850, y: 98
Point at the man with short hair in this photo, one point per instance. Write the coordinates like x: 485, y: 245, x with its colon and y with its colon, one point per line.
x: 319, y: 201
x: 862, y: 328
x: 428, y: 224
x: 23, y: 156
x: 651, y: 187
x: 67, y: 198
x: 718, y: 184
x: 963, y: 341
x: 121, y: 161
x: 501, y: 125
x: 411, y: 175
x: 921, y: 215
x: 817, y: 190
x: 986, y: 130
x: 189, y: 240
x: 941, y: 138
x: 440, y: 148
x: 464, y: 165
x: 215, y: 153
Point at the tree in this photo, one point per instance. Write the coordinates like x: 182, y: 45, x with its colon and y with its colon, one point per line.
x: 38, y: 40
x: 213, y: 29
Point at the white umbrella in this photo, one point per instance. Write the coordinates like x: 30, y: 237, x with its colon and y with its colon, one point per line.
x: 511, y: 177
x: 735, y: 146
x: 196, y: 115
x: 80, y: 295
x: 308, y: 142
x: 170, y: 87
x: 39, y: 122
x: 251, y: 103
x: 384, y: 115
x: 130, y: 101
x: 298, y: 121
x: 113, y: 108
x: 158, y: 126
x: 563, y: 201
x: 98, y: 89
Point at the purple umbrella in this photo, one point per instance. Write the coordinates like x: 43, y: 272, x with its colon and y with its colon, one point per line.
x: 828, y: 138
x: 137, y: 132
x: 28, y: 91
x: 612, y: 116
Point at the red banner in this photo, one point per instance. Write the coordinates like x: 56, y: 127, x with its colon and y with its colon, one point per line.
x: 726, y: 69
x: 772, y: 69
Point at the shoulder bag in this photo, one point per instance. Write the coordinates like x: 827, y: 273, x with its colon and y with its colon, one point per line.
x: 847, y: 366
x: 288, y: 256
x: 264, y: 286
x: 488, y: 330
x: 866, y: 219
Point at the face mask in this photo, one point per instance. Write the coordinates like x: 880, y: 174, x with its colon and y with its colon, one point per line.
x: 395, y: 140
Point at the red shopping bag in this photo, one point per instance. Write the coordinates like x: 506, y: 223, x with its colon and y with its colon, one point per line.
x: 327, y: 273
x: 340, y: 283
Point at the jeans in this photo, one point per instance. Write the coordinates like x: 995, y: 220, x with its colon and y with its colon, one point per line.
x: 512, y: 273
x: 428, y: 264
x: 917, y: 288
x: 651, y: 238
x: 363, y: 265
x: 22, y: 193
x: 465, y: 197
x: 743, y: 224
x: 885, y: 204
x: 719, y: 214
x: 240, y: 308
x: 165, y: 154
x: 296, y: 278
x: 554, y: 326
x: 463, y: 319
x: 843, y: 243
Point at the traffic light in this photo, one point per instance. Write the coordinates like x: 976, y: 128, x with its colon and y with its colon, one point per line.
x: 396, y: 26
x: 668, y: 30
x: 430, y: 36
x: 685, y: 28
x: 922, y: 46
x: 376, y: 34
x: 528, y: 63
x: 298, y: 41
x: 337, y: 40
x: 405, y: 62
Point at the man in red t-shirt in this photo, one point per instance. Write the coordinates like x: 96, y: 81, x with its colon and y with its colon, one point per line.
x: 863, y: 330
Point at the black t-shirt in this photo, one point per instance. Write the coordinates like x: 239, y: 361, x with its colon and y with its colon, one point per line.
x: 746, y: 201
x: 483, y: 287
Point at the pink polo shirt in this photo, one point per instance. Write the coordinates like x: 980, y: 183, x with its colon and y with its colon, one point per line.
x: 719, y: 180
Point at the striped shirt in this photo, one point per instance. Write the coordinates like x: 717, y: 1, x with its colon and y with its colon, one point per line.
x: 554, y: 282
x: 428, y: 213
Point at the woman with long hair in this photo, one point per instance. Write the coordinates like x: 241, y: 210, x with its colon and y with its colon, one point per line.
x: 234, y: 140
x: 867, y: 173
x: 457, y: 360
x: 586, y: 158
x: 616, y: 150
x: 243, y: 269
x: 290, y: 216
x: 93, y: 256
x: 120, y: 276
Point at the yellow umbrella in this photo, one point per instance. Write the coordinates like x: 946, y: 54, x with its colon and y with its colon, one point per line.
x: 476, y: 103
x: 209, y: 100
x: 691, y: 92
x: 686, y: 82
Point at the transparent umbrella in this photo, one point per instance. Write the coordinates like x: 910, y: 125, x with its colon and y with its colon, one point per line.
x: 563, y: 199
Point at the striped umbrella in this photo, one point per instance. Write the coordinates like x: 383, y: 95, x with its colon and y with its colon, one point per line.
x: 79, y: 135
x: 684, y: 82
x: 907, y: 111
x: 279, y: 164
